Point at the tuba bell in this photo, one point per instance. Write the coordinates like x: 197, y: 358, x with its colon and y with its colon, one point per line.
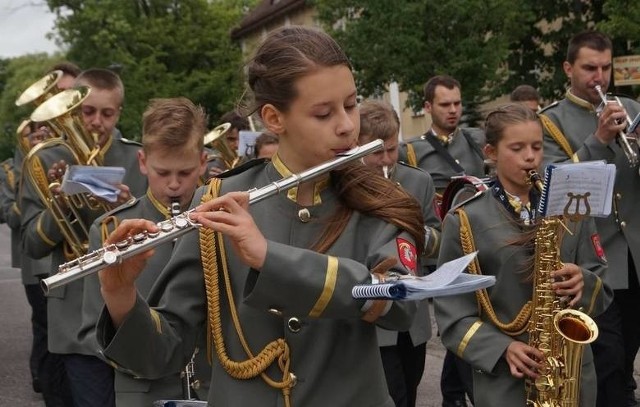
x: 73, y: 214
x: 215, y: 138
x: 40, y: 90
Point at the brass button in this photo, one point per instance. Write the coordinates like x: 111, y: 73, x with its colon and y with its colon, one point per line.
x: 304, y: 215
x: 275, y: 312
x: 294, y: 325
x: 618, y: 195
x: 623, y: 224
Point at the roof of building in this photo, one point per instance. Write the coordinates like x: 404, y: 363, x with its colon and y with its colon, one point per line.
x: 264, y: 13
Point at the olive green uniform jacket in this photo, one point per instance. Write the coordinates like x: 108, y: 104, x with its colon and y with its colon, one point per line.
x: 130, y: 390
x: 299, y: 295
x: 41, y: 235
x: 420, y: 185
x: 428, y: 158
x: 471, y: 335
x: 575, y: 122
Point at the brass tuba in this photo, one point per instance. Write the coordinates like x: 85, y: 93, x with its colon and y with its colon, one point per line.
x: 216, y: 139
x: 558, y: 332
x: 73, y: 214
x: 40, y: 90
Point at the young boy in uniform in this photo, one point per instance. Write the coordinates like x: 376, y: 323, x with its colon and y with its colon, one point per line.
x: 173, y: 160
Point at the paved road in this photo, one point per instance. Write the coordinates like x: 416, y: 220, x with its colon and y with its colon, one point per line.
x: 15, y: 341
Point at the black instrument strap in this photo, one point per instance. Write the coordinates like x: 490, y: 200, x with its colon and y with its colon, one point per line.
x: 476, y: 148
x: 433, y: 140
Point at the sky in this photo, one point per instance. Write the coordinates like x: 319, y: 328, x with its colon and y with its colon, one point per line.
x: 23, y: 27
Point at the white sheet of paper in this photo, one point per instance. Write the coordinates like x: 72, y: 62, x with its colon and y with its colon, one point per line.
x: 98, y: 181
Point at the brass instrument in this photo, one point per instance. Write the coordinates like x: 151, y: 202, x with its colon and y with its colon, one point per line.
x: 623, y: 138
x: 559, y: 333
x: 181, y: 224
x: 23, y: 141
x: 40, y: 90
x: 72, y: 213
x: 216, y: 139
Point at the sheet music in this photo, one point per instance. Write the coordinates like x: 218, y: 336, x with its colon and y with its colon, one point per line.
x: 573, y: 186
x: 98, y: 181
x: 448, y: 279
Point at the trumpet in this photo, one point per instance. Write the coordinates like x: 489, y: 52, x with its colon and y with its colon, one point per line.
x: 623, y: 139
x: 181, y: 224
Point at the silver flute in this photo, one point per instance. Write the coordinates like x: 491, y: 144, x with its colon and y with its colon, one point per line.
x: 624, y: 140
x: 180, y: 224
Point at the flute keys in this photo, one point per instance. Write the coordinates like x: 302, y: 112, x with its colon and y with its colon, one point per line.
x: 153, y: 235
x: 110, y: 257
x: 139, y: 237
x: 122, y: 245
x: 181, y: 222
x: 166, y: 227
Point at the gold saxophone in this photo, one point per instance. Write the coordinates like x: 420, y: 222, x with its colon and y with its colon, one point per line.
x: 558, y: 332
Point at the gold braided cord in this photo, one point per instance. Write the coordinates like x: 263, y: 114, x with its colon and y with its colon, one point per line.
x: 278, y: 349
x: 556, y: 134
x: 514, y: 328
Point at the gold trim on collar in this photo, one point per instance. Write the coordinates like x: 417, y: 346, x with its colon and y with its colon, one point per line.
x: 292, y: 193
x: 158, y: 205
x: 107, y: 146
x: 328, y: 289
x: 467, y: 337
x: 579, y: 101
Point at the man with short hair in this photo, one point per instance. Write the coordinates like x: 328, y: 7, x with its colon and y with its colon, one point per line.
x: 581, y: 128
x: 447, y: 150
x: 527, y: 95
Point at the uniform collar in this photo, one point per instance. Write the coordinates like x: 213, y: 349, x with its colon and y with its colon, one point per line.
x: 158, y: 205
x: 445, y: 139
x: 579, y: 101
x: 107, y: 146
x: 292, y: 194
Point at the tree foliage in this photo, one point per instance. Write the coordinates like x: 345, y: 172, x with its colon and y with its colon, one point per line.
x: 490, y: 46
x: 161, y: 48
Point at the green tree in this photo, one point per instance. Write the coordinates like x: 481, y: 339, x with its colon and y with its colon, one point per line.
x: 161, y: 48
x: 409, y: 41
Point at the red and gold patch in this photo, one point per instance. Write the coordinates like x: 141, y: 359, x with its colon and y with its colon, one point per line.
x: 595, y: 239
x: 407, y: 254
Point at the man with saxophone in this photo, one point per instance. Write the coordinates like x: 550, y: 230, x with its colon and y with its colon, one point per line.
x: 581, y: 127
x: 47, y: 212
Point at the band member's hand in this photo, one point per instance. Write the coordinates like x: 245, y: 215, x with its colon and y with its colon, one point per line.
x: 611, y: 121
x: 118, y: 280
x: 56, y: 171
x: 569, y: 282
x: 523, y: 360
x: 229, y: 215
x: 125, y: 194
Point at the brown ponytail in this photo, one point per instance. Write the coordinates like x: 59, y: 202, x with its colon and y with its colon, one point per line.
x: 364, y: 190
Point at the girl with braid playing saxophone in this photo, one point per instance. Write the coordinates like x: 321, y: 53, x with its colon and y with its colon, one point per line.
x: 492, y: 335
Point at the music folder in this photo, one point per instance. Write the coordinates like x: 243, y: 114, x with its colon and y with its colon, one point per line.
x: 448, y: 279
